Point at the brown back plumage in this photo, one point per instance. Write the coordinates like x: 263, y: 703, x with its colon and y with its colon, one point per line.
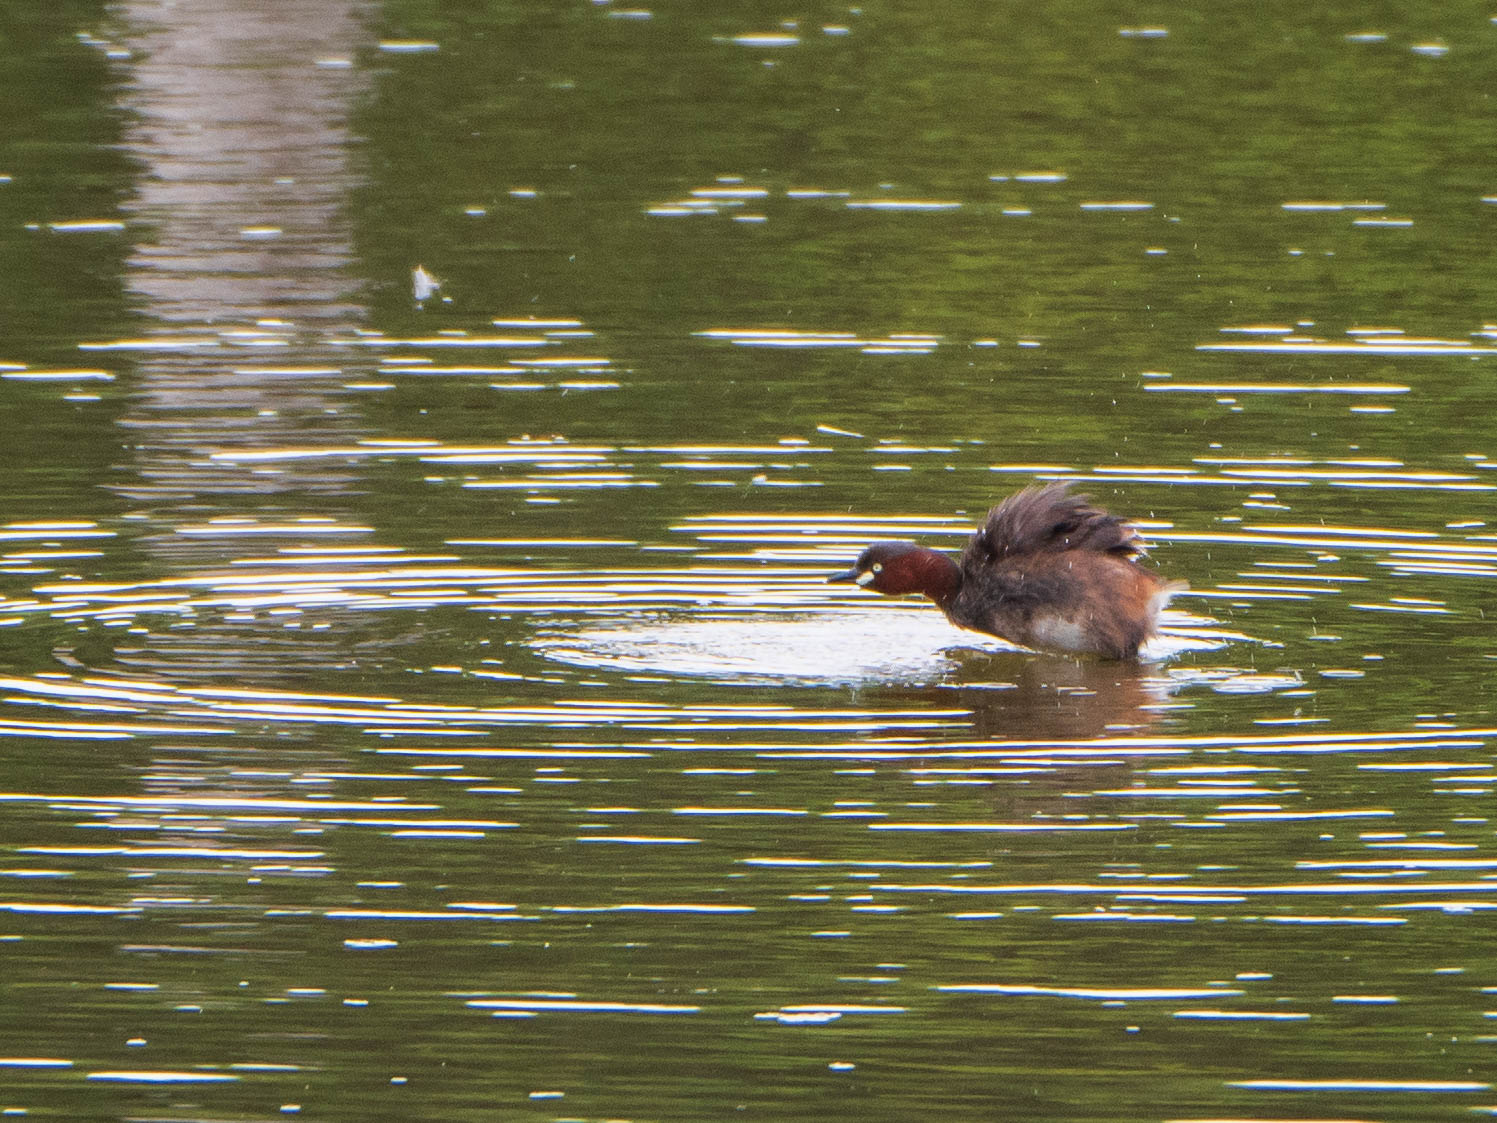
x: 1049, y: 519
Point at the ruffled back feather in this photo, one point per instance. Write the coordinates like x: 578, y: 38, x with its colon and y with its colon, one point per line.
x: 1050, y: 519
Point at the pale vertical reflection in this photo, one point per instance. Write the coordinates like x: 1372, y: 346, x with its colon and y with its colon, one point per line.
x: 239, y: 116
x: 238, y: 123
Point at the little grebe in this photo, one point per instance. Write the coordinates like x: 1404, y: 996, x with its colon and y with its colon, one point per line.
x: 1046, y: 570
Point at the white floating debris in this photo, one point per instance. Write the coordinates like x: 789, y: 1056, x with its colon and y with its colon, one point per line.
x: 423, y: 285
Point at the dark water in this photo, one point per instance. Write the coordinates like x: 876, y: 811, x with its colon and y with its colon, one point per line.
x: 428, y: 430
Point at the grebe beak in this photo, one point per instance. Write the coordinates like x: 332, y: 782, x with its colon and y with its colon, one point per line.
x: 840, y: 578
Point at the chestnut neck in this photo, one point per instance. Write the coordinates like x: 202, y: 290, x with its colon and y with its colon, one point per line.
x: 932, y: 573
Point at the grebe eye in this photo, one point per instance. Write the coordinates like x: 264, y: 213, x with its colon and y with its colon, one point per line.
x: 878, y: 567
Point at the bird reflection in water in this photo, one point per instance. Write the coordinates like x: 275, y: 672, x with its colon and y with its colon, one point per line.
x: 1022, y: 697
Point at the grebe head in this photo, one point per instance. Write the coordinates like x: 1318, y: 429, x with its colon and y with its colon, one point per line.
x: 894, y: 568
